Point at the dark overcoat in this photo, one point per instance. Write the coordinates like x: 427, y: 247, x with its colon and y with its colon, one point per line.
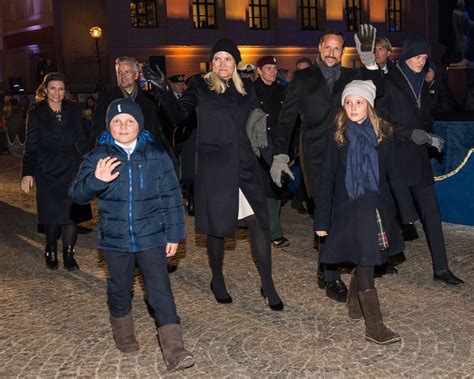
x: 309, y: 96
x: 225, y: 161
x: 52, y: 156
x: 351, y: 224
x: 399, y: 106
x: 270, y: 99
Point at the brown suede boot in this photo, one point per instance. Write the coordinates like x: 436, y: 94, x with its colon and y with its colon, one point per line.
x: 171, y: 341
x: 375, y: 330
x: 353, y: 305
x: 124, y: 336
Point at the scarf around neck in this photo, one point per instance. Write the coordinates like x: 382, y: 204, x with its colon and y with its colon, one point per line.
x: 331, y: 74
x: 132, y: 95
x: 362, y: 166
x: 415, y: 80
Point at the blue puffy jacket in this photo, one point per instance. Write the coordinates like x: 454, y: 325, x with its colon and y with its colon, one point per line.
x: 143, y: 207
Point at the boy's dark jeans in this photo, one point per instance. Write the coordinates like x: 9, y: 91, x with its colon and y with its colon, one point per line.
x: 153, y: 267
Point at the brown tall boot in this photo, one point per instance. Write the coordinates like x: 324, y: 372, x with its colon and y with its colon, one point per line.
x: 171, y: 341
x: 124, y: 335
x: 353, y: 304
x: 375, y: 330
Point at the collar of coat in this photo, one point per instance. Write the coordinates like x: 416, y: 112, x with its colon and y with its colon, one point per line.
x: 143, y: 138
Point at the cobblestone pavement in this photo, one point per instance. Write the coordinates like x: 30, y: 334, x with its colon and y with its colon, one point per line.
x: 55, y: 324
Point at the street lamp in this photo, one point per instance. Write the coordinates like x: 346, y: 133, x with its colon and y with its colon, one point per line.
x: 96, y: 33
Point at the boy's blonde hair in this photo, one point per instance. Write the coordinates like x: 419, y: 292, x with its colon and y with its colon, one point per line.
x: 382, y: 128
x: 218, y: 85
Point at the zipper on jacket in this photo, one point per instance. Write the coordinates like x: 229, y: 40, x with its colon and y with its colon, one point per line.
x: 141, y: 176
x: 130, y: 207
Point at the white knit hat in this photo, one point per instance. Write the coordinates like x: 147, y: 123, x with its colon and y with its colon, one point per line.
x: 363, y: 88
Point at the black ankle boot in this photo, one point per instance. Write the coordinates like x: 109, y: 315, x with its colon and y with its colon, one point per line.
x: 51, y: 256
x: 69, y: 262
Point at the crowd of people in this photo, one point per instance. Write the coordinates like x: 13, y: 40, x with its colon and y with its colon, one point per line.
x: 231, y: 140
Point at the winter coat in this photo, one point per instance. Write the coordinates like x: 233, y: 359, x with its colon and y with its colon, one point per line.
x: 270, y: 100
x: 308, y: 95
x: 142, y: 208
x: 351, y: 224
x: 399, y: 106
x: 224, y: 159
x: 52, y: 157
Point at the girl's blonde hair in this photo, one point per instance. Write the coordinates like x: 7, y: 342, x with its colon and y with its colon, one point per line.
x: 381, y: 127
x: 218, y: 85
x: 52, y: 76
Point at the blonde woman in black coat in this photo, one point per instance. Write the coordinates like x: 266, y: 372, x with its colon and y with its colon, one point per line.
x: 354, y: 204
x: 55, y: 141
x: 229, y: 187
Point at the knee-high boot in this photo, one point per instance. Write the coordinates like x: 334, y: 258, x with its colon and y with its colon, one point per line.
x: 375, y: 329
x: 353, y: 304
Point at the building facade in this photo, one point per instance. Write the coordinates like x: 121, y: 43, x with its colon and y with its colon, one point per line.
x: 180, y: 32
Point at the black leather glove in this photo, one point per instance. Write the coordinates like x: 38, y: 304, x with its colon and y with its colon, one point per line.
x: 156, y: 77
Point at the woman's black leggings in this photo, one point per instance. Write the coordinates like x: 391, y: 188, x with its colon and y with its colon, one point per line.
x: 365, y: 277
x: 67, y: 231
x: 261, y: 247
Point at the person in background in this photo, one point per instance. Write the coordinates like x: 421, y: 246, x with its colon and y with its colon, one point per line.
x: 270, y: 95
x: 247, y: 70
x: 88, y: 110
x: 56, y: 139
x: 383, y: 52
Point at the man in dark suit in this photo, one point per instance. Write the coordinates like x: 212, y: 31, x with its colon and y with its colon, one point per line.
x: 127, y: 71
x: 315, y: 95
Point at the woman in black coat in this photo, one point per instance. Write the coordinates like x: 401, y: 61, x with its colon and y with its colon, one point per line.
x: 55, y: 141
x: 354, y: 206
x: 228, y: 186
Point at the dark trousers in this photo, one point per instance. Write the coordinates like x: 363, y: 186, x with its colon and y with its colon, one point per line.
x: 427, y: 204
x: 273, y: 206
x: 152, y: 264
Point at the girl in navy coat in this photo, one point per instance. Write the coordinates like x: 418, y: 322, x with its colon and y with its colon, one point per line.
x: 141, y: 222
x: 354, y: 204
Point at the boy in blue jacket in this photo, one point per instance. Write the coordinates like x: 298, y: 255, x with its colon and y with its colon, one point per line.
x: 141, y: 222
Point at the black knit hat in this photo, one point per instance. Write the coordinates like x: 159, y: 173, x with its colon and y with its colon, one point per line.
x: 227, y: 45
x: 124, y: 106
x: 414, y: 47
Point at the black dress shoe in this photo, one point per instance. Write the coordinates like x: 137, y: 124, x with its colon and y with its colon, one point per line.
x: 336, y: 290
x: 274, y: 307
x: 391, y: 270
x: 447, y: 277
x: 224, y: 300
x: 321, y: 282
x: 298, y: 205
x: 280, y: 242
x: 171, y: 268
x: 409, y: 232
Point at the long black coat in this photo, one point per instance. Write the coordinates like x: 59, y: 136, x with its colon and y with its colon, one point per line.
x: 308, y: 95
x: 351, y: 224
x: 270, y: 100
x: 399, y: 106
x: 224, y: 158
x: 53, y: 152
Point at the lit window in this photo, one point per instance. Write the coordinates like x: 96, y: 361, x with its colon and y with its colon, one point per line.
x: 259, y: 14
x: 143, y: 14
x: 204, y: 14
x: 309, y: 14
x: 394, y: 15
x: 353, y: 14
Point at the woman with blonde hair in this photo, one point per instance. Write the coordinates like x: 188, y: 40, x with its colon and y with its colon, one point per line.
x: 355, y: 210
x: 229, y: 188
x: 56, y: 138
